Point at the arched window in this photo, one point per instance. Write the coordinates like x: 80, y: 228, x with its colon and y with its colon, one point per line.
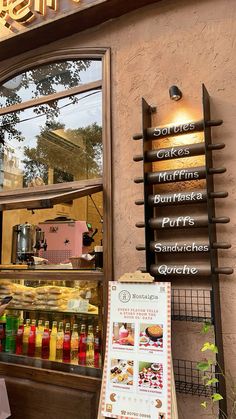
x: 55, y: 144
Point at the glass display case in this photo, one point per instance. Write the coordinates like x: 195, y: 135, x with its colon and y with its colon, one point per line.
x: 53, y: 324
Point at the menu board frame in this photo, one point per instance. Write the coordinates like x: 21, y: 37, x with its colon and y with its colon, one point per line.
x: 137, y: 304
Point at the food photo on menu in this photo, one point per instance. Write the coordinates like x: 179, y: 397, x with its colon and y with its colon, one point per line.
x: 151, y: 336
x: 121, y: 372
x: 150, y: 376
x: 123, y: 335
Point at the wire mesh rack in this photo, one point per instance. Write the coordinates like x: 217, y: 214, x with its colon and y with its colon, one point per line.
x: 193, y: 305
x: 189, y: 380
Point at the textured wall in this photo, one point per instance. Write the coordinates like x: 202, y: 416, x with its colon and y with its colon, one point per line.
x: 172, y: 42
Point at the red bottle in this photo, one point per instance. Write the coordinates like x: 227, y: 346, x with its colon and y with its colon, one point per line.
x: 32, y: 341
x: 46, y: 342
x: 19, y: 340
x: 66, y: 344
x: 82, y: 345
x: 97, y: 347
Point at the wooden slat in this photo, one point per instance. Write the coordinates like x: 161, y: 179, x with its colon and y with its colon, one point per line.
x: 45, y: 201
x: 52, y: 275
x: 49, y: 98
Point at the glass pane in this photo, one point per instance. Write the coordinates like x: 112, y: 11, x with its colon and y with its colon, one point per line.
x: 49, y: 79
x: 52, y: 143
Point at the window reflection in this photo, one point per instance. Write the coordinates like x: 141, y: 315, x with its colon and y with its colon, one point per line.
x: 49, y: 79
x: 53, y: 143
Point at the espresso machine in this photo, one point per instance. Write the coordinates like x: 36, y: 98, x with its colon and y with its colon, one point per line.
x: 27, y: 240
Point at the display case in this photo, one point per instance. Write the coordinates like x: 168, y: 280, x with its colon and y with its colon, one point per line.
x: 52, y: 324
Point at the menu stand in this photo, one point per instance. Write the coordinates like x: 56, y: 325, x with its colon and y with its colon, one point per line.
x: 154, y: 200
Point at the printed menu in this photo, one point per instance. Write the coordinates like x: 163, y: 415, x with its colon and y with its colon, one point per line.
x: 137, y: 368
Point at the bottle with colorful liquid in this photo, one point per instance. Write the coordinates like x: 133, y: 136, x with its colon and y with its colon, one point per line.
x: 12, y: 324
x: 19, y: 338
x: 74, y: 345
x: 45, y: 341
x: 97, y: 347
x: 90, y: 347
x: 53, y: 342
x: 82, y: 345
x: 26, y: 337
x: 59, y: 342
x: 39, y: 336
x: 66, y: 344
x: 32, y: 339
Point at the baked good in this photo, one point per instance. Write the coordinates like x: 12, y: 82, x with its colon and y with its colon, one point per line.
x: 154, y: 332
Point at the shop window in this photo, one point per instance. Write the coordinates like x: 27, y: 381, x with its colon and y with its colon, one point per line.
x: 52, y: 156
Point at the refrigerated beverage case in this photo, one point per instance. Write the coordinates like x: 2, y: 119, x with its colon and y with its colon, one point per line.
x: 66, y: 344
x: 53, y: 342
x: 97, y: 347
x: 12, y: 324
x: 32, y: 340
x: 19, y: 339
x: 26, y: 337
x: 39, y: 336
x: 45, y: 341
x: 74, y: 345
x: 90, y: 347
x: 82, y: 345
x: 59, y: 342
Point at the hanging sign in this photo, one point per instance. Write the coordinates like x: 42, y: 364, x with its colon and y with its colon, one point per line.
x: 137, y: 368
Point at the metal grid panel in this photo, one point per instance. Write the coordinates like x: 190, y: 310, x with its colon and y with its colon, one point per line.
x: 192, y: 305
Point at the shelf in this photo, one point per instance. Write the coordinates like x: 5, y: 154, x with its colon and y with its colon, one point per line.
x: 193, y: 305
x: 50, y: 365
x: 189, y: 380
x: 55, y: 275
x: 77, y: 313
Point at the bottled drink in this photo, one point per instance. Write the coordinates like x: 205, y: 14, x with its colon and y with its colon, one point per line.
x: 12, y: 324
x: 26, y: 336
x: 32, y: 339
x: 74, y: 346
x: 90, y: 347
x: 45, y: 341
x: 59, y: 342
x: 39, y: 336
x: 66, y: 344
x: 82, y: 345
x: 53, y: 340
x: 97, y: 347
x: 19, y: 338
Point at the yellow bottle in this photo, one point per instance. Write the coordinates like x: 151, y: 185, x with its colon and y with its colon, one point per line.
x: 26, y: 337
x: 53, y: 342
x: 39, y: 335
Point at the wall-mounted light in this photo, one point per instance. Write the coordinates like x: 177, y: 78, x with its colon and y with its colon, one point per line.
x: 175, y: 93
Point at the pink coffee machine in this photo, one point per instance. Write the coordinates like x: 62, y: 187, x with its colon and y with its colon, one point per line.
x: 64, y: 238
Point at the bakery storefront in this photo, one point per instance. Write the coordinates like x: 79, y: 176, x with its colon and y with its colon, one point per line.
x: 72, y: 78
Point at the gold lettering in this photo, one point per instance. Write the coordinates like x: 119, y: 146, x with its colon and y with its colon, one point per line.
x: 40, y: 5
x: 19, y: 10
x: 3, y: 22
x: 52, y: 4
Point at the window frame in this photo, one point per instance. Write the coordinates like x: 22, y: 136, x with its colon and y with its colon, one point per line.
x: 22, y: 65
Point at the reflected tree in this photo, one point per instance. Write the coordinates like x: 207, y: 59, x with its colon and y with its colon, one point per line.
x: 72, y: 154
x: 41, y: 81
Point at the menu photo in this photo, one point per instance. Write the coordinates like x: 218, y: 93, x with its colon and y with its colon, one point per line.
x: 121, y: 373
x: 151, y: 337
x: 123, y: 335
x: 150, y: 377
